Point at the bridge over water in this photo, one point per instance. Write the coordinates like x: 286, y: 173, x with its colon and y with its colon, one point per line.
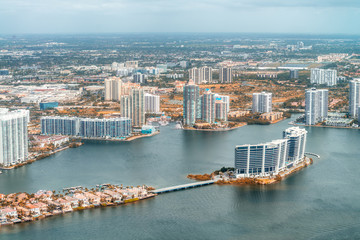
x: 183, y: 187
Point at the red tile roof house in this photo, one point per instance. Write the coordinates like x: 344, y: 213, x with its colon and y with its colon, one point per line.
x: 117, y: 196
x: 93, y: 199
x: 66, y: 205
x: 8, y: 212
x: 73, y: 201
x: 34, y: 210
x: 83, y: 201
x: 23, y: 211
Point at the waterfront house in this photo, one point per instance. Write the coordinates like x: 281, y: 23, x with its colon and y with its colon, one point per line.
x: 34, y: 210
x: 116, y: 195
x: 104, y: 197
x: 73, y: 201
x: 65, y: 204
x: 92, y: 198
x: 2, y: 196
x: 24, y: 212
x: 83, y: 200
x: 8, y: 213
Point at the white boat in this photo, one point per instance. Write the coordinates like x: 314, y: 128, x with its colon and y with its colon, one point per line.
x: 163, y: 123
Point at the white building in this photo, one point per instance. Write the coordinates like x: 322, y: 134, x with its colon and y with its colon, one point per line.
x: 139, y: 78
x: 113, y: 89
x: 323, y: 76
x: 316, y: 105
x: 13, y: 136
x: 201, y: 75
x: 262, y: 102
x: 225, y: 75
x: 354, y: 97
x: 152, y: 103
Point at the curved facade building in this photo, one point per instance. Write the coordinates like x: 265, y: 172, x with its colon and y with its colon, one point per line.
x: 270, y: 158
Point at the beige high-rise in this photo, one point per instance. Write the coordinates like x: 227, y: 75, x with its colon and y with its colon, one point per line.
x: 113, y: 88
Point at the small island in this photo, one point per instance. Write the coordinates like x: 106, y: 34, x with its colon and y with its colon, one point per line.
x: 25, y: 207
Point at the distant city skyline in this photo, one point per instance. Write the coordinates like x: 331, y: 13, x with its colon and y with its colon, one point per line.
x: 122, y: 16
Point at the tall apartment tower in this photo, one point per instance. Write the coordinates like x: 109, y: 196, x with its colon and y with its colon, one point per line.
x: 137, y: 98
x: 113, y: 89
x: 296, y: 144
x: 201, y: 75
x: 208, y: 107
x: 316, y: 105
x: 225, y: 75
x: 194, y: 75
x: 262, y: 102
x: 206, y: 74
x: 191, y: 103
x: 133, y: 106
x: 323, y: 76
x: 270, y: 158
x: 354, y: 98
x: 13, y: 136
x: 152, y: 103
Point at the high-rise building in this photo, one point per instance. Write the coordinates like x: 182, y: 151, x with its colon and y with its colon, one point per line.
x: 152, y: 103
x: 225, y: 99
x: 86, y: 127
x: 323, y: 76
x: 294, y: 74
x: 60, y: 126
x: 13, y: 136
x: 221, y: 111
x: 296, y: 144
x: 206, y: 74
x: 208, y: 107
x: 191, y: 103
x: 104, y: 128
x: 137, y: 101
x: 271, y: 158
x: 261, y: 159
x: 201, y: 75
x: 131, y: 64
x: 139, y: 78
x: 262, y: 102
x: 183, y: 64
x: 354, y: 98
x: 316, y: 105
x: 225, y: 75
x: 113, y: 90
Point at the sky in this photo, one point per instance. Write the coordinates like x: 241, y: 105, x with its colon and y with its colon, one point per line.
x: 118, y: 16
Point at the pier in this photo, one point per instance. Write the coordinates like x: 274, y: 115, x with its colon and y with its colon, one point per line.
x: 313, y: 154
x: 183, y: 187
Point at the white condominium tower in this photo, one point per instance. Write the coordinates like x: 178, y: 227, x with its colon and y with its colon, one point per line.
x: 316, y: 105
x: 133, y: 106
x: 323, y: 76
x: 201, y: 75
x: 354, y: 98
x: 13, y: 136
x: 273, y: 157
x: 191, y: 103
x: 262, y: 102
x: 113, y: 87
x: 225, y: 75
x: 152, y: 103
x: 208, y: 113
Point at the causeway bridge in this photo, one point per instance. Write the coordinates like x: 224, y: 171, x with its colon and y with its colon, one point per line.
x: 183, y: 187
x: 312, y: 154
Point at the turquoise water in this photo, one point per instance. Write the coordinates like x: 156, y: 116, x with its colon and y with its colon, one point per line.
x: 319, y: 202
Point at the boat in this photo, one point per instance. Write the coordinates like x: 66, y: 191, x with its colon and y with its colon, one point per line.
x: 163, y: 123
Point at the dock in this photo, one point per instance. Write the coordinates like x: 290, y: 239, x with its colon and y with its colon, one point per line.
x: 313, y: 154
x: 183, y: 187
